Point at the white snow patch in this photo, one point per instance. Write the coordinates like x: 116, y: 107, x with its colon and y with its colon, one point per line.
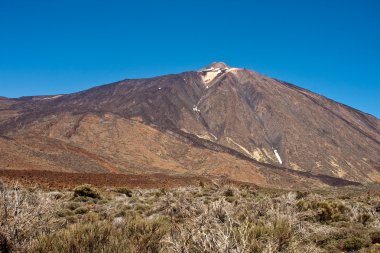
x: 159, y: 88
x: 195, y: 109
x: 52, y: 97
x: 277, y: 156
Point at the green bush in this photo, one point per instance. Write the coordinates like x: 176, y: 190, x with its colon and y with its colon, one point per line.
x: 354, y: 243
x: 81, y: 210
x: 351, y: 237
x: 86, y: 190
x: 326, y: 211
x: 64, y: 213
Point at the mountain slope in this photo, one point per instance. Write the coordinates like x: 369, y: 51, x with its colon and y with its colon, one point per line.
x: 217, y: 121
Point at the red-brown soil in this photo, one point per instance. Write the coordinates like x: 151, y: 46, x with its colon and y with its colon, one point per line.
x: 51, y: 179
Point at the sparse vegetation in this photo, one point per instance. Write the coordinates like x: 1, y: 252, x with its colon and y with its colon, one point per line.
x: 188, y: 219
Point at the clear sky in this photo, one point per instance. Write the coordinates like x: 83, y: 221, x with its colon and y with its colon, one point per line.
x: 328, y: 46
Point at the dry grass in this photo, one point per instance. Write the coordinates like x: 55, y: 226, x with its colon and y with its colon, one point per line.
x: 188, y: 219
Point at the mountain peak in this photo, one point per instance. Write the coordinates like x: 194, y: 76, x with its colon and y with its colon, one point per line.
x: 215, y: 65
x: 212, y: 71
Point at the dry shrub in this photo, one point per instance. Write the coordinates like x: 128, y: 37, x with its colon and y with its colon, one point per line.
x: 125, y: 191
x: 81, y: 210
x: 189, y: 219
x: 219, y: 230
x: 24, y: 214
x: 326, y: 211
x: 131, y: 235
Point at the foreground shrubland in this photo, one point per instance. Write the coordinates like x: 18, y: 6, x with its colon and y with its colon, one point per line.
x: 207, y: 218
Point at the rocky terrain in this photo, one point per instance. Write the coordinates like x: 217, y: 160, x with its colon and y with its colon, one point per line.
x: 218, y: 121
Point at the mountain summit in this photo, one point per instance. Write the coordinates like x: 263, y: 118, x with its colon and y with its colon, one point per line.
x: 216, y: 65
x: 217, y: 121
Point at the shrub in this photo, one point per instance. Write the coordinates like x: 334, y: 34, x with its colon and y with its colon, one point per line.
x: 81, y: 210
x: 229, y: 193
x: 364, y: 218
x: 141, y: 208
x: 23, y: 215
x: 86, y: 190
x: 160, y: 192
x: 220, y: 214
x: 375, y: 236
x: 102, y: 202
x: 125, y: 191
x: 326, y: 211
x: 231, y: 199
x: 301, y: 195
x: 282, y: 233
x: 102, y: 237
x: 56, y: 195
x: 351, y: 237
x: 174, y: 221
x: 85, y: 199
x: 72, y: 205
x: 5, y: 246
x: 354, y: 243
x: 64, y: 213
x: 120, y: 214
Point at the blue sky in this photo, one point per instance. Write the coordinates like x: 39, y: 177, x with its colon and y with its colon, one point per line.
x: 330, y: 47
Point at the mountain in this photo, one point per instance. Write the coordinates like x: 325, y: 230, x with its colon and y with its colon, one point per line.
x: 217, y: 121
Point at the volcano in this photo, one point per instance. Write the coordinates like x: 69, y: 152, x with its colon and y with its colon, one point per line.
x: 218, y: 121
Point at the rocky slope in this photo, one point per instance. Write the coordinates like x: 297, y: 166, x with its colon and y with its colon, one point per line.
x: 215, y: 121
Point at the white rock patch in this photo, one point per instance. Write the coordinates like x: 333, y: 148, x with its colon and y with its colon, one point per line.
x: 240, y: 146
x: 277, y: 156
x: 52, y: 97
x: 210, y: 74
x: 213, y: 136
